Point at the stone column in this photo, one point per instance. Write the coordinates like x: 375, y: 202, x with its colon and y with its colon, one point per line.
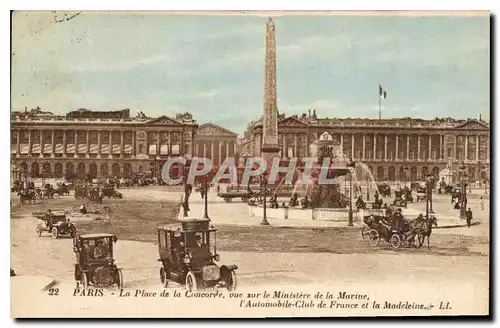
x: 441, y: 147
x: 212, y: 151
x: 18, y: 143
x: 158, y: 144
x: 295, y: 145
x: 99, y: 146
x: 455, y: 154
x: 430, y: 147
x: 342, y: 143
x: 285, y: 146
x: 385, y: 147
x: 181, y: 151
x: 29, y: 143
x: 418, y: 147
x: 87, y: 146
x: 204, y: 150
x: 364, y: 146
x: 110, y: 144
x: 227, y: 149
x: 352, y: 146
x: 407, y: 147
x: 397, y: 147
x: 122, y: 144
x: 235, y: 148
x: 374, y: 146
x: 307, y: 144
x: 41, y: 143
x: 64, y: 143
x: 133, y: 144
x: 477, y: 147
x: 219, y: 143
x: 75, y: 155
x: 466, y: 147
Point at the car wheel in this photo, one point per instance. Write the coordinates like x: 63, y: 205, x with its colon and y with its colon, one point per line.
x: 232, y: 282
x: 119, y: 279
x: 55, y: 233
x: 85, y: 282
x: 164, y: 277
x: 191, y: 284
x: 395, y: 241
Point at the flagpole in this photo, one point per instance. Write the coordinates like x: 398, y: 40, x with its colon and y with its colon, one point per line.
x: 379, y: 111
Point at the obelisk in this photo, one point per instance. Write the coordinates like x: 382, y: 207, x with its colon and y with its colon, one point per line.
x: 270, y: 147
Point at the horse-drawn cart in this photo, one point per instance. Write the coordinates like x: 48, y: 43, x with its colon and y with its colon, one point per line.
x: 229, y: 196
x: 409, y: 233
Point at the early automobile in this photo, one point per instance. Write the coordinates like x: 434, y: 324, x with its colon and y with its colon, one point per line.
x: 188, y: 255
x: 109, y: 191
x: 421, y: 194
x: 95, y: 265
x: 55, y: 222
x: 384, y: 189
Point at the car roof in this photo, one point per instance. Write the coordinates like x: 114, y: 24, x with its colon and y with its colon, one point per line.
x: 96, y: 235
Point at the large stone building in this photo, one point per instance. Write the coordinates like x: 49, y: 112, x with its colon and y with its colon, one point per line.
x: 387, y: 146
x: 109, y: 143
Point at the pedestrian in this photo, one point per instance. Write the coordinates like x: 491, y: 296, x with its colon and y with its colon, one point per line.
x: 468, y: 216
x: 481, y: 203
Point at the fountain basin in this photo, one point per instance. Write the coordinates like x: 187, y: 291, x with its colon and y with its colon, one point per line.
x: 319, y: 214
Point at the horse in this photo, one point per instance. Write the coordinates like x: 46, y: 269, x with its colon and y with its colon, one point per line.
x: 27, y: 195
x: 422, y: 227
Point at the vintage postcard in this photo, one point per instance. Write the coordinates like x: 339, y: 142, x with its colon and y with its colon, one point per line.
x: 250, y: 164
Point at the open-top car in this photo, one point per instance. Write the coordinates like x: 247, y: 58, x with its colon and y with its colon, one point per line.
x: 55, y: 222
x: 188, y: 255
x: 110, y: 192
x: 421, y: 194
x: 95, y: 264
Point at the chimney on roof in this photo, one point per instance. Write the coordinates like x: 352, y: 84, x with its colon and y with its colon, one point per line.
x: 25, y: 109
x: 309, y: 113
x: 480, y: 118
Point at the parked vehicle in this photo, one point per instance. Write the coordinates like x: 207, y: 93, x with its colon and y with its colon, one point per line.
x: 95, y: 265
x: 188, y: 255
x: 55, y: 222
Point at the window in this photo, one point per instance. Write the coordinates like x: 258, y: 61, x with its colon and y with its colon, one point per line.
x: 162, y: 238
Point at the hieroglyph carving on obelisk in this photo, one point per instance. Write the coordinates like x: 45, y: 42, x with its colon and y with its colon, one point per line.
x: 270, y: 130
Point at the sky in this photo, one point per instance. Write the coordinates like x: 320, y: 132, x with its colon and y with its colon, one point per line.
x: 213, y: 66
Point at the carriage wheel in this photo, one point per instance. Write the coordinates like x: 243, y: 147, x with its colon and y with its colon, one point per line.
x: 395, y: 241
x: 373, y: 237
x: 119, y: 279
x: 231, y: 282
x: 85, y: 282
x: 227, y: 200
x: 244, y: 199
x: 164, y: 277
x: 420, y: 240
x: 55, y: 233
x: 191, y: 281
x: 365, y: 232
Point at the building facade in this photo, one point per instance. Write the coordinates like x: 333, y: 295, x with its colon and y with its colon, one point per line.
x: 215, y: 142
x: 394, y: 149
x: 102, y: 144
x: 109, y: 143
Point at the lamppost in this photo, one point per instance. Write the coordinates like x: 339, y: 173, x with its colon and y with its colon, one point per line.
x: 367, y: 188
x: 428, y: 199
x: 405, y: 169
x: 206, y: 198
x: 351, y: 166
x: 263, y: 188
x: 463, y: 177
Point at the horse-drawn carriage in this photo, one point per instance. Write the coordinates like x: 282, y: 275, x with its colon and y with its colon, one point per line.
x: 29, y: 195
x: 421, y: 194
x: 384, y: 189
x: 411, y: 233
x: 55, y: 222
x: 230, y: 195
